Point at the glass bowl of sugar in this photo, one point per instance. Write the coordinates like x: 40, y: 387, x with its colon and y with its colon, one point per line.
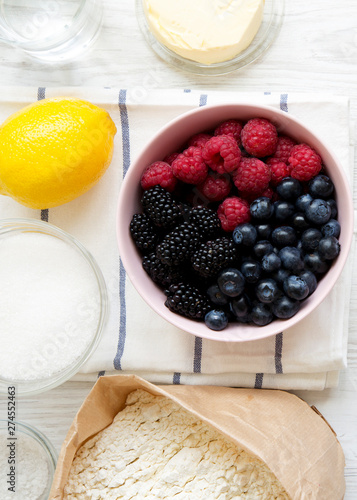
x: 29, y: 460
x: 53, y: 305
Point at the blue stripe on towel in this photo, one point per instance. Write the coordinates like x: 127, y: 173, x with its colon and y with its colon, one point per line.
x: 203, y: 99
x: 278, y: 353
x: 197, y: 356
x: 41, y: 94
x: 284, y: 102
x: 124, y: 119
x: 258, y: 380
x: 176, y: 380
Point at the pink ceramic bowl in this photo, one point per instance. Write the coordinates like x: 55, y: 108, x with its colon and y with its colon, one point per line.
x: 170, y: 138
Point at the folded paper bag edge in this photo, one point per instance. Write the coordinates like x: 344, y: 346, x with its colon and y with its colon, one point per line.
x: 245, y: 416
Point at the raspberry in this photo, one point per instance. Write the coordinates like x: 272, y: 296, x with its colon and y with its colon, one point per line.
x: 215, y: 187
x: 160, y: 173
x: 259, y: 137
x: 222, y: 154
x: 199, y: 140
x: 269, y: 193
x: 305, y: 163
x: 189, y: 166
x: 171, y: 157
x: 230, y: 127
x: 252, y: 176
x: 278, y: 170
x: 283, y: 148
x: 233, y: 211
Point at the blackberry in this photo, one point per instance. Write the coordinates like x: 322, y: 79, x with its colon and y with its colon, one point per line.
x: 187, y: 300
x: 143, y: 232
x: 206, y: 221
x: 213, y: 256
x: 178, y: 245
x: 160, y: 206
x: 160, y: 273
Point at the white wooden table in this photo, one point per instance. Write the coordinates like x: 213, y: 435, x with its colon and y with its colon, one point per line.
x: 316, y: 50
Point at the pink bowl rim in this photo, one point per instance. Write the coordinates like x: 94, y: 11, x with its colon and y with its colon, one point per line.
x: 235, y: 332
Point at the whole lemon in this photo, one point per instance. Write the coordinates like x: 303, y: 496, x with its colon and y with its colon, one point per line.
x: 54, y: 150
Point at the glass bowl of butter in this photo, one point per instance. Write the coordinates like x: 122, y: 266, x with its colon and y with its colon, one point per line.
x: 210, y: 37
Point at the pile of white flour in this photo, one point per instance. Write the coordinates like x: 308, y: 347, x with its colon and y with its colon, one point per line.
x: 156, y: 449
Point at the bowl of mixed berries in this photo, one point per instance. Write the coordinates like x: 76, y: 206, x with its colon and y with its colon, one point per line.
x: 234, y: 222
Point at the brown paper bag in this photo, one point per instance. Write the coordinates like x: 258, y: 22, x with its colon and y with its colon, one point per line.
x: 282, y: 430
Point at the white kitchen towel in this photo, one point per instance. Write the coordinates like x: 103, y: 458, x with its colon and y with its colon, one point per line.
x: 136, y: 340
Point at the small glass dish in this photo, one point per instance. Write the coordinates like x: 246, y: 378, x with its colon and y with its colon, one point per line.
x: 30, y: 461
x: 269, y: 29
x: 53, y: 309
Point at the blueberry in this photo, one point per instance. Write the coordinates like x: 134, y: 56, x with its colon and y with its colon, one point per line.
x: 283, y: 210
x: 216, y: 296
x: 261, y: 208
x: 285, y: 307
x: 289, y: 188
x: 314, y: 263
x: 271, y: 262
x: 333, y: 205
x: 329, y: 248
x: 262, y: 247
x: 291, y: 258
x: 251, y: 270
x: 321, y: 186
x: 267, y: 290
x: 216, y: 319
x: 310, y: 239
x: 299, y: 221
x: 284, y: 236
x: 331, y: 228
x: 245, y: 234
x: 264, y: 231
x: 296, y: 287
x: 318, y: 212
x: 310, y: 279
x: 280, y: 275
x: 303, y: 201
x: 261, y: 314
x: 240, y: 307
x: 231, y: 282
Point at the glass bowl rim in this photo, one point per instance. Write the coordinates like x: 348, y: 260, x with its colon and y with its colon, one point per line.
x: 42, y: 440
x: 267, y: 33
x: 31, y: 387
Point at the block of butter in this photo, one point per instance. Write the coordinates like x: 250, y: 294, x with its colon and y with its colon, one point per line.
x: 205, y: 31
x: 133, y: 439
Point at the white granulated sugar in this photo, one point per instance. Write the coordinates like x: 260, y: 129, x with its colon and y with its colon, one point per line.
x: 31, y: 469
x: 49, y: 305
x: 156, y: 449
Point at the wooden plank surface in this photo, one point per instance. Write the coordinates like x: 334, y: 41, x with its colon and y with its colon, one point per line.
x: 315, y: 51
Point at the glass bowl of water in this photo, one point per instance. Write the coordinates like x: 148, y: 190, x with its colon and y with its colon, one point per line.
x: 52, y: 31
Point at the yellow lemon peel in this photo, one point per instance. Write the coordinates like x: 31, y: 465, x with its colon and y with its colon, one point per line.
x: 54, y: 150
